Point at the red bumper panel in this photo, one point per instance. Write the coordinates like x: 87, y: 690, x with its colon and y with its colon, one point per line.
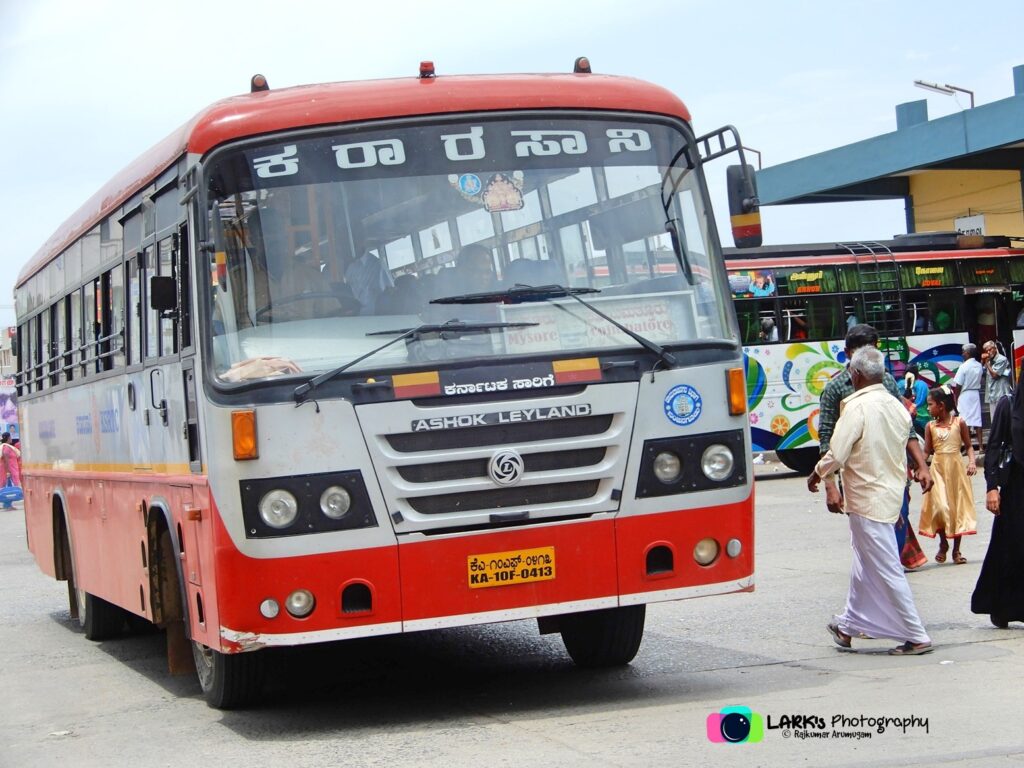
x: 679, y: 532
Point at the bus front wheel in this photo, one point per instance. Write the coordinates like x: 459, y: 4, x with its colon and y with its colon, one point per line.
x: 606, y: 638
x: 228, y: 680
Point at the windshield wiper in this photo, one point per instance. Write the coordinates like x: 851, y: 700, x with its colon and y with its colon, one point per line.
x: 517, y: 294
x: 521, y: 293
x: 450, y: 330
x: 453, y: 327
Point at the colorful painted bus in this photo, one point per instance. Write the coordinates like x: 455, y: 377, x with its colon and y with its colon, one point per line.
x: 928, y: 294
x: 376, y: 357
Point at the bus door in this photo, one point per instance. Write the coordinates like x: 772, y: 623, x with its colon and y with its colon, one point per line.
x: 989, y: 315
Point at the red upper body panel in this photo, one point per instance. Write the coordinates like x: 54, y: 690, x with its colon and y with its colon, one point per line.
x: 310, y: 105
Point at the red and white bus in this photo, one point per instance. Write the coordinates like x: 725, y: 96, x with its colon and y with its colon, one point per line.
x: 928, y: 294
x: 337, y: 360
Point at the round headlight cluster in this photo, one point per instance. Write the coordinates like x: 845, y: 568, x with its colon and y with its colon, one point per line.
x: 667, y: 467
x: 278, y: 508
x: 717, y: 462
x: 335, y: 502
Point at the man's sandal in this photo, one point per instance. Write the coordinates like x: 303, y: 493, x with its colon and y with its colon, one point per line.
x: 909, y: 649
x: 838, y: 637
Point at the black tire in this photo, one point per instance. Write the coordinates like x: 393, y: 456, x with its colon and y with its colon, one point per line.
x: 800, y: 460
x: 607, y: 638
x: 229, y: 680
x: 100, y: 620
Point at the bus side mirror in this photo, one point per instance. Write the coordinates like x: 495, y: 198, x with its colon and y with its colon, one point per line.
x: 744, y: 212
x: 163, y: 293
x: 14, y: 345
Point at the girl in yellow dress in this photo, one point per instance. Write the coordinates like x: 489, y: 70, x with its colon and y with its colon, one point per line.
x: 948, y: 509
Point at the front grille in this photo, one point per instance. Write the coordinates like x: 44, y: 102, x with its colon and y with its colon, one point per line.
x: 503, y: 498
x: 438, y: 480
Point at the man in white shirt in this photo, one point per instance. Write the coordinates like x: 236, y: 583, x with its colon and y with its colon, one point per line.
x: 968, y: 392
x: 869, y: 446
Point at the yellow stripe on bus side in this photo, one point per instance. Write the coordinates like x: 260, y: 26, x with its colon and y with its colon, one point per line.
x: 89, y: 468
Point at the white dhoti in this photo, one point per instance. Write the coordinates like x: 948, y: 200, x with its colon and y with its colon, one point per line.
x: 968, y: 405
x: 879, y: 603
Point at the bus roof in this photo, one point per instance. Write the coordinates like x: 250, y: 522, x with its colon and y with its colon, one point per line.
x: 913, y: 247
x: 265, y: 112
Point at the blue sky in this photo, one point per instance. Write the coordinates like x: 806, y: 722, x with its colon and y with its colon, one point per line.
x: 87, y: 87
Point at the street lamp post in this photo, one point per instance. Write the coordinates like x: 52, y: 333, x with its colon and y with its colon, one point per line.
x: 947, y: 89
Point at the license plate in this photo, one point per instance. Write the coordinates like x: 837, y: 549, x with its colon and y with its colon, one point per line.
x: 519, y: 566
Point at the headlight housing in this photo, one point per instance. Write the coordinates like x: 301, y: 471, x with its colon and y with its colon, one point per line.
x: 690, y: 463
x: 304, y: 504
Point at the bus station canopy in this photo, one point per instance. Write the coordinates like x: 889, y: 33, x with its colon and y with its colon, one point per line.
x: 983, y: 138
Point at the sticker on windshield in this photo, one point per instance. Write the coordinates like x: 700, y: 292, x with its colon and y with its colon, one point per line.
x: 469, y: 184
x: 503, y: 193
x: 683, y: 405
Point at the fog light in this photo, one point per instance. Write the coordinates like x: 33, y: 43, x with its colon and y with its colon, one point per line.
x: 335, y: 502
x: 706, y: 551
x: 667, y: 467
x: 733, y: 548
x: 278, y: 509
x: 717, y: 462
x: 269, y: 608
x: 300, y: 603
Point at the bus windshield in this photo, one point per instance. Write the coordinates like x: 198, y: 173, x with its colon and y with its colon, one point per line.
x: 323, y: 241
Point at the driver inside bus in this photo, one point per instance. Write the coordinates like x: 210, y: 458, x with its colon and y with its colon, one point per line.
x: 296, y: 284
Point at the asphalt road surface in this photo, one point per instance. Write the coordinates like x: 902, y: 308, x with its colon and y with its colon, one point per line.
x: 502, y: 695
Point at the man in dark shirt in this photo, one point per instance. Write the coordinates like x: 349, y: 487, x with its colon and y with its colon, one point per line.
x: 837, y: 390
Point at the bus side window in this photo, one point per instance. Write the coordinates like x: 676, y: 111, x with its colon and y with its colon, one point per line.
x: 818, y: 319
x: 76, y: 353
x: 757, y: 320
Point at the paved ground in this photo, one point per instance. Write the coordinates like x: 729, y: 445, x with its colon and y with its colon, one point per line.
x: 504, y: 696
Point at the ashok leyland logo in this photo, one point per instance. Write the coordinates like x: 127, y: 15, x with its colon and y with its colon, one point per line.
x: 506, y: 467
x: 735, y: 725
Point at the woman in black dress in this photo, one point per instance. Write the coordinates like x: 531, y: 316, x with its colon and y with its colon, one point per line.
x: 1000, y: 588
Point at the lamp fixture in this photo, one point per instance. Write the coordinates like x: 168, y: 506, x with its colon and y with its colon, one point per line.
x: 947, y: 89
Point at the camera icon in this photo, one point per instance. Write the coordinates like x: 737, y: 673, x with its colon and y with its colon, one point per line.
x: 735, y: 725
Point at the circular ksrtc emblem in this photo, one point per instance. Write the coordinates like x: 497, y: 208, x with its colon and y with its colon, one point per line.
x: 683, y: 405
x: 506, y: 467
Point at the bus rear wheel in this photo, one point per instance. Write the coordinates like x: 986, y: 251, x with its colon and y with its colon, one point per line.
x: 606, y: 638
x: 228, y: 680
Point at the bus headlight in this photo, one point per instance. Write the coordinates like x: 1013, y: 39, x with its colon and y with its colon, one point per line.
x: 667, y: 467
x: 278, y: 509
x: 717, y: 462
x: 300, y: 603
x: 335, y: 502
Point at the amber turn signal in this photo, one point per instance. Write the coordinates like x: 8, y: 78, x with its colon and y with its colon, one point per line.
x: 243, y: 435
x: 737, y: 386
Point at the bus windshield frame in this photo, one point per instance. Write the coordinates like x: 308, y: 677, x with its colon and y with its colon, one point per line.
x: 451, y: 206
